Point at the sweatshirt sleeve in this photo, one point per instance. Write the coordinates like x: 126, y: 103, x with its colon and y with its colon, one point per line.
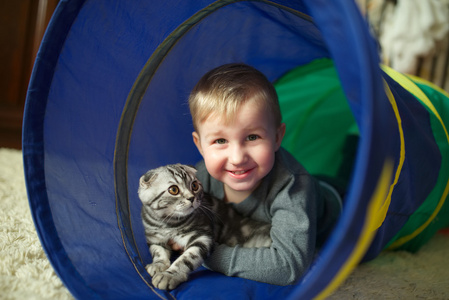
x: 293, y: 233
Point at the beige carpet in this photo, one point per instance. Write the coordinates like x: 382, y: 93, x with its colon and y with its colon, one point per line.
x: 25, y: 272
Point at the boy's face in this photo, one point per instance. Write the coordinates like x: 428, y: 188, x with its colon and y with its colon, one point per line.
x: 242, y: 153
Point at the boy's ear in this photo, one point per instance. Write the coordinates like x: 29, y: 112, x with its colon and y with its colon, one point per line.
x: 196, y: 140
x: 280, y: 135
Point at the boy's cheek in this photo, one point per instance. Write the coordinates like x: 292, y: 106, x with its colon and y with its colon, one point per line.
x: 211, y: 157
x: 212, y: 161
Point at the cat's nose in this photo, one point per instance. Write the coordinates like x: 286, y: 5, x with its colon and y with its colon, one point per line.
x: 191, y: 199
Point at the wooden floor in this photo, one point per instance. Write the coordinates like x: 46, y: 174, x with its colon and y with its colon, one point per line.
x: 11, y: 139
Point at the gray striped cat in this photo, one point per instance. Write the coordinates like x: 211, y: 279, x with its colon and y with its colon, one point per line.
x: 176, y: 210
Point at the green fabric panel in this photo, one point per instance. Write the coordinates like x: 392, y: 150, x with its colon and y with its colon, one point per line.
x: 424, y: 212
x: 322, y: 134
x: 318, y: 118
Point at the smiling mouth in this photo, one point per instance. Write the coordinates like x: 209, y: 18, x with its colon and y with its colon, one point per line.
x: 238, y: 172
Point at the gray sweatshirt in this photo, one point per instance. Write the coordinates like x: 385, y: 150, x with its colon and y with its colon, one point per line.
x: 301, y: 211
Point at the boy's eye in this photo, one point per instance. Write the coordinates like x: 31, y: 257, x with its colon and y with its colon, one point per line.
x: 252, y: 137
x: 220, y: 141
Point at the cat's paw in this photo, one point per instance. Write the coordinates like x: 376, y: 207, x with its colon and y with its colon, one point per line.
x: 157, y: 267
x: 168, y: 280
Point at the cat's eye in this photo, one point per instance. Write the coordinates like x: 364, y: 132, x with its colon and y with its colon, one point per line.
x: 174, y: 190
x: 195, y: 186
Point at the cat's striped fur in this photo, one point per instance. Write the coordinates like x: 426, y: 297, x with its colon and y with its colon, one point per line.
x: 176, y: 210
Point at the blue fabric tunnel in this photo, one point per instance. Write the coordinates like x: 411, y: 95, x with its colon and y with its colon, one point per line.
x: 107, y: 102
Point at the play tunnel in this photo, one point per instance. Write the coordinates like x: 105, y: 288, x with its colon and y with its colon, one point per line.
x: 108, y: 100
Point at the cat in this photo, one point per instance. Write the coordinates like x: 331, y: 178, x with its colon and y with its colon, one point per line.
x: 175, y: 209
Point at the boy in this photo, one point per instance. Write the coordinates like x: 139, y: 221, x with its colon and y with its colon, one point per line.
x: 238, y: 131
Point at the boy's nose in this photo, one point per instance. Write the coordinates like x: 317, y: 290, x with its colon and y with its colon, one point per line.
x: 237, y: 155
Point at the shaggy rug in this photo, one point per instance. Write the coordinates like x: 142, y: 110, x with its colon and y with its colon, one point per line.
x: 25, y: 272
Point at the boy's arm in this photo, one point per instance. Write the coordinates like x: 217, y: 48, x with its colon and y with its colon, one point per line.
x: 293, y: 233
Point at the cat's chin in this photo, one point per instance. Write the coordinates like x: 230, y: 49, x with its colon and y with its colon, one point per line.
x: 184, y: 213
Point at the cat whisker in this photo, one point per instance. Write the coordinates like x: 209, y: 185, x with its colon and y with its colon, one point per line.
x: 210, y: 213
x: 168, y: 218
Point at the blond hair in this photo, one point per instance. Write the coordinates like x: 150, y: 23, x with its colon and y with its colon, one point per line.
x: 225, y: 89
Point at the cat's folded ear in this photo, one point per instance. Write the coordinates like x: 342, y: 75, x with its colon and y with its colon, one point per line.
x: 147, y: 179
x: 190, y: 168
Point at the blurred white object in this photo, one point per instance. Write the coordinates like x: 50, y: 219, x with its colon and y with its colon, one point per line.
x: 410, y: 30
